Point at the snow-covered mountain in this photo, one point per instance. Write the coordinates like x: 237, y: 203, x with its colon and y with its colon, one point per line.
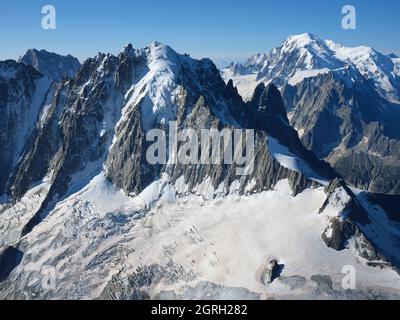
x: 343, y: 119
x: 306, y: 55
x: 376, y: 67
x: 84, y: 215
x: 343, y: 102
x: 52, y: 65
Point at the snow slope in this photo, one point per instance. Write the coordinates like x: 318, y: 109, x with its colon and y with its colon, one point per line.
x: 99, y: 233
x: 372, y: 65
x: 290, y: 161
x: 156, y: 85
x: 303, y: 74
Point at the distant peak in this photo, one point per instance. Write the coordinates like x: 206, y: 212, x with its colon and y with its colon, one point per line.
x: 128, y: 46
x: 157, y: 44
x: 43, y: 52
x: 333, y: 45
x: 128, y: 49
x: 305, y: 35
x: 53, y: 65
x: 304, y: 38
x: 308, y: 41
x: 31, y: 51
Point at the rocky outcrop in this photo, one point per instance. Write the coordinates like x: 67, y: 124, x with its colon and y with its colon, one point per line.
x: 75, y: 135
x: 271, y: 272
x: 338, y: 233
x: 23, y: 93
x: 349, y: 125
x: 9, y: 258
x: 353, y: 223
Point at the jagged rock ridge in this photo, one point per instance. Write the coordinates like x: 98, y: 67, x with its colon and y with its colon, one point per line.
x: 343, y: 101
x: 90, y: 144
x: 51, y: 64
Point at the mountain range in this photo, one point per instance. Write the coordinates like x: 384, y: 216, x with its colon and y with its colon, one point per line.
x: 83, y: 215
x: 344, y: 102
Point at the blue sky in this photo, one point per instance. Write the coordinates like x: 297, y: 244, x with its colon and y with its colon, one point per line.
x: 220, y: 29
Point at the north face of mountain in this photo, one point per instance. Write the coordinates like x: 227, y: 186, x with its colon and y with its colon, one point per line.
x: 52, y: 65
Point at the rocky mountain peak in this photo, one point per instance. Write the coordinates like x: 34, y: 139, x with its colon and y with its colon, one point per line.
x: 11, y: 69
x: 304, y: 40
x: 128, y: 50
x: 271, y: 103
x: 258, y: 91
x: 53, y: 65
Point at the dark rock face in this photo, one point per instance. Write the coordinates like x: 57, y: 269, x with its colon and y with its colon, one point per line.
x: 270, y: 116
x: 369, y: 172
x: 41, y: 148
x: 71, y: 139
x: 271, y: 271
x: 50, y: 64
x: 199, y: 110
x: 9, y: 259
x: 356, y: 211
x: 271, y: 104
x: 355, y: 223
x: 23, y: 91
x: 390, y: 203
x: 126, y: 160
x: 349, y: 125
x: 267, y: 171
x: 341, y: 231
